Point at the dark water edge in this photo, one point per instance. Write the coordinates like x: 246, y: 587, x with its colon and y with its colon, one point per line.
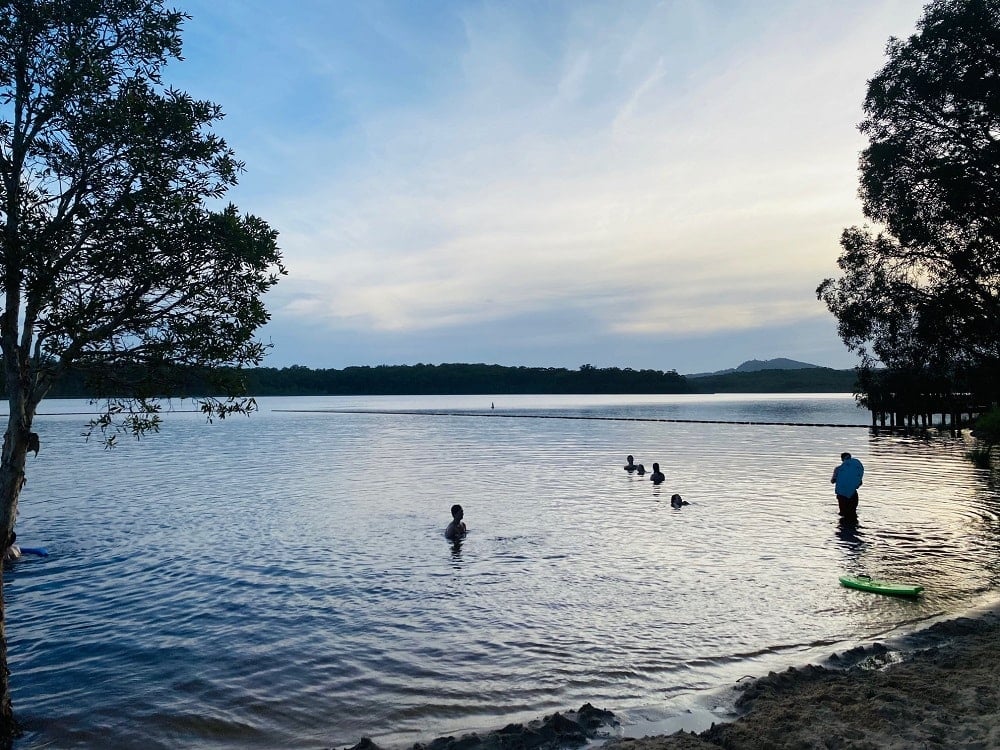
x: 595, y: 726
x: 557, y: 730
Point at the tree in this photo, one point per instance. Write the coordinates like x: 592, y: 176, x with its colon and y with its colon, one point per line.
x: 924, y: 294
x: 114, y: 264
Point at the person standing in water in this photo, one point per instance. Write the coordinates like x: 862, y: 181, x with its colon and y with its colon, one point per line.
x: 456, y: 529
x: 631, y: 466
x: 846, y: 480
x: 657, y: 476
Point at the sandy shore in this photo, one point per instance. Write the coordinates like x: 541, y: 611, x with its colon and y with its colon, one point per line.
x: 940, y: 689
x: 943, y: 693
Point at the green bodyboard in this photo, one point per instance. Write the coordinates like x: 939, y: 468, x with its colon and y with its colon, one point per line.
x: 880, y: 587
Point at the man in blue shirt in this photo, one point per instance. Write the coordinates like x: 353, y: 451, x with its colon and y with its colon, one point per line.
x: 846, y: 480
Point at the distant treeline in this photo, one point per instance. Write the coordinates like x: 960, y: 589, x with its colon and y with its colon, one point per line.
x: 462, y: 379
x: 458, y: 379
x: 480, y: 378
x: 806, y: 380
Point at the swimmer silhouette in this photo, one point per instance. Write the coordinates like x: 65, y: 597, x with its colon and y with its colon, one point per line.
x: 676, y: 501
x: 657, y: 476
x: 456, y: 529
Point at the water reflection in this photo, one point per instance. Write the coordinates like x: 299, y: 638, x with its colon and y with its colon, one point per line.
x: 849, y: 533
x: 573, y: 591
x: 851, y: 539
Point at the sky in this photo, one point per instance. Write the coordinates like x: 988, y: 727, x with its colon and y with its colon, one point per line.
x: 547, y: 183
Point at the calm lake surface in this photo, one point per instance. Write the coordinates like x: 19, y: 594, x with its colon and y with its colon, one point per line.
x: 283, y: 581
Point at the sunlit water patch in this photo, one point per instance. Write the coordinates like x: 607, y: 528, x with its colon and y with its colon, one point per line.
x: 283, y: 581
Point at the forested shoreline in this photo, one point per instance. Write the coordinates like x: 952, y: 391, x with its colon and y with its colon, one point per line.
x: 463, y: 379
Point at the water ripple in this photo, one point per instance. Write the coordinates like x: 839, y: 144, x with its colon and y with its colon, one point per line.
x: 283, y: 581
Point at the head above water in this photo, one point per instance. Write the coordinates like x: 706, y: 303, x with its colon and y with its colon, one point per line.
x: 845, y: 456
x: 656, y: 467
x: 629, y: 459
x: 457, y: 512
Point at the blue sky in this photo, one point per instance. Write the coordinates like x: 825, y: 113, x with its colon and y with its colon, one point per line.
x: 622, y: 183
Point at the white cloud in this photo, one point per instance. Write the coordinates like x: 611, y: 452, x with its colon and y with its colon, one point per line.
x: 684, y: 169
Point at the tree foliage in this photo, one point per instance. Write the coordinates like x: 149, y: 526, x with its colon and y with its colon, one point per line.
x: 497, y: 379
x: 115, y: 264
x: 923, y: 294
x: 461, y: 379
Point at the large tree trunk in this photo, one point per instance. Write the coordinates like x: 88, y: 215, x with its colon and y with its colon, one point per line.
x: 9, y: 729
x: 15, y: 449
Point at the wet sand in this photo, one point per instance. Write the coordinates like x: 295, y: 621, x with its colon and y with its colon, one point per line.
x: 940, y: 689
x: 943, y: 691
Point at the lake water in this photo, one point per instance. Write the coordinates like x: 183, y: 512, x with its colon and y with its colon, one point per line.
x: 283, y: 581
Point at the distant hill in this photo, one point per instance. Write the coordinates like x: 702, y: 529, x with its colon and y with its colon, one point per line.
x: 756, y: 365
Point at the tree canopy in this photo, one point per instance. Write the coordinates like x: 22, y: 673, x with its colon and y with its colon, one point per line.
x: 922, y: 295
x: 120, y: 263
x: 113, y: 263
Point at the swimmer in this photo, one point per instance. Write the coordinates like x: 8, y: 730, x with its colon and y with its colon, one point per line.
x: 657, y: 476
x: 456, y: 529
x: 629, y: 466
x: 676, y: 501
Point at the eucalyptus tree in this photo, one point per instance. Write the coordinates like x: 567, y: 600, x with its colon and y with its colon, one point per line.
x: 119, y: 259
x: 923, y: 294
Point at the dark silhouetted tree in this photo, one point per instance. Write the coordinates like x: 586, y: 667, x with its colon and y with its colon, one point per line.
x: 115, y: 266
x: 923, y: 295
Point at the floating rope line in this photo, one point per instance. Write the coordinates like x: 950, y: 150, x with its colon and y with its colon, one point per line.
x: 562, y: 416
